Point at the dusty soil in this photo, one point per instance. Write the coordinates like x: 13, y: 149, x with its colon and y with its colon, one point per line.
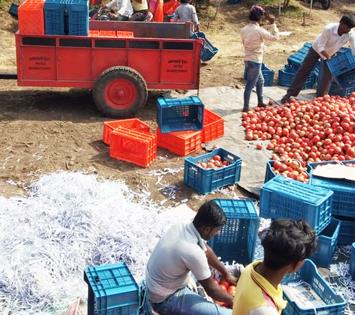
x: 45, y: 130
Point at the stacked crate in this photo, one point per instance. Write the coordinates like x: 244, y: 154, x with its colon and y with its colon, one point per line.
x: 67, y: 17
x: 237, y: 238
x: 130, y: 140
x: 343, y: 199
x: 31, y: 17
x: 342, y: 67
x: 288, y: 73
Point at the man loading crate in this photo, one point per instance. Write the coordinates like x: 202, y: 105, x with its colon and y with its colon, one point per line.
x: 182, y: 250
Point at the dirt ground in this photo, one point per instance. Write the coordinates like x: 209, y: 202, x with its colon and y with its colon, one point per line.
x: 45, y: 130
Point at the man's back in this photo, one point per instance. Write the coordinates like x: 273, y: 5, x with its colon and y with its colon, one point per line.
x: 179, y: 251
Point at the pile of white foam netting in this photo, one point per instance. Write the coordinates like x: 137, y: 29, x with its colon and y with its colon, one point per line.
x: 69, y: 221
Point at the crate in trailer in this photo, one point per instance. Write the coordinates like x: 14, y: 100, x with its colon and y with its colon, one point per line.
x: 54, y: 12
x: 327, y: 242
x: 352, y: 261
x: 13, y: 10
x: 179, y: 114
x: 213, y: 126
x: 132, y: 124
x: 206, y: 180
x: 31, y: 17
x: 342, y: 62
x: 347, y: 230
x: 344, y: 190
x: 180, y: 142
x: 208, y: 50
x: 283, y: 197
x: 343, y: 85
x: 78, y: 17
x: 133, y: 146
x: 112, y: 290
x: 237, y: 238
x: 298, y: 57
x: 307, y: 293
x: 268, y: 75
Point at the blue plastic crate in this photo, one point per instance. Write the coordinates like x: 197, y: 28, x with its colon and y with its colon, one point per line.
x: 297, y: 58
x: 268, y: 75
x: 342, y: 62
x: 269, y: 173
x: 208, y: 50
x: 54, y: 11
x: 344, y: 190
x: 327, y: 242
x: 179, y: 114
x: 237, y: 238
x: 282, y: 197
x: 78, y: 17
x: 206, y: 180
x: 347, y: 230
x: 112, y: 290
x: 344, y: 84
x: 13, y: 10
x: 287, y: 75
x: 352, y: 262
x: 335, y: 304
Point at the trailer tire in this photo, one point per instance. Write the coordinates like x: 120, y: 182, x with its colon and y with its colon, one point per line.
x: 120, y: 92
x: 325, y: 4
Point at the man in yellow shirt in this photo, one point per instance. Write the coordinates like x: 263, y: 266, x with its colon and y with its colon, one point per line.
x: 287, y: 243
x: 140, y: 8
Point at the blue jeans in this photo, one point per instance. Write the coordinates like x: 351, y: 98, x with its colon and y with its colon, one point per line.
x: 254, y: 77
x: 187, y: 302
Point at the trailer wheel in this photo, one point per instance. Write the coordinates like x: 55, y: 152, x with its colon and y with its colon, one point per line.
x: 325, y: 4
x: 120, y: 92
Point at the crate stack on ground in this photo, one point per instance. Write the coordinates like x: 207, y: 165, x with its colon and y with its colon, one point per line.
x: 288, y: 73
x: 308, y: 293
x: 111, y: 290
x: 282, y: 197
x: 342, y: 67
x: 130, y: 140
x: 343, y: 207
x: 237, y: 238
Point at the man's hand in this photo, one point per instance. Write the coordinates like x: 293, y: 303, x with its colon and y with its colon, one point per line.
x: 231, y: 279
x: 269, y: 17
x: 325, y: 54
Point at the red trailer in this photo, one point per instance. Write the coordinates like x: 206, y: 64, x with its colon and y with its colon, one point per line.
x: 120, y: 71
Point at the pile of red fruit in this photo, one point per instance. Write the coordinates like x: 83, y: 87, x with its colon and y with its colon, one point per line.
x: 322, y: 129
x: 224, y: 285
x: 215, y: 162
x: 291, y: 168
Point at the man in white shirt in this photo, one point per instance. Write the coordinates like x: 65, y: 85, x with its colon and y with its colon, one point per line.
x: 253, y: 37
x: 180, y: 252
x: 122, y: 7
x: 326, y: 45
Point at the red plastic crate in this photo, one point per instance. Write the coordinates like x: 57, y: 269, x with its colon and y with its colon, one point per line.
x: 133, y: 146
x: 180, y: 142
x: 132, y: 124
x: 31, y: 17
x: 213, y: 126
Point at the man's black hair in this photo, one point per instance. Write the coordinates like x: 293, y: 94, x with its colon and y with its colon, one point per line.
x: 256, y: 14
x: 286, y: 242
x: 348, y: 20
x: 209, y: 215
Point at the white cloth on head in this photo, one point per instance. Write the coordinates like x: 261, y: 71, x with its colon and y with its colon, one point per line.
x: 123, y: 7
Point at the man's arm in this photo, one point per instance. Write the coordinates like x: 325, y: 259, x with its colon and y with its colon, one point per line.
x: 321, y: 42
x: 216, y: 292
x: 123, y: 7
x: 274, y: 33
x: 214, y: 262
